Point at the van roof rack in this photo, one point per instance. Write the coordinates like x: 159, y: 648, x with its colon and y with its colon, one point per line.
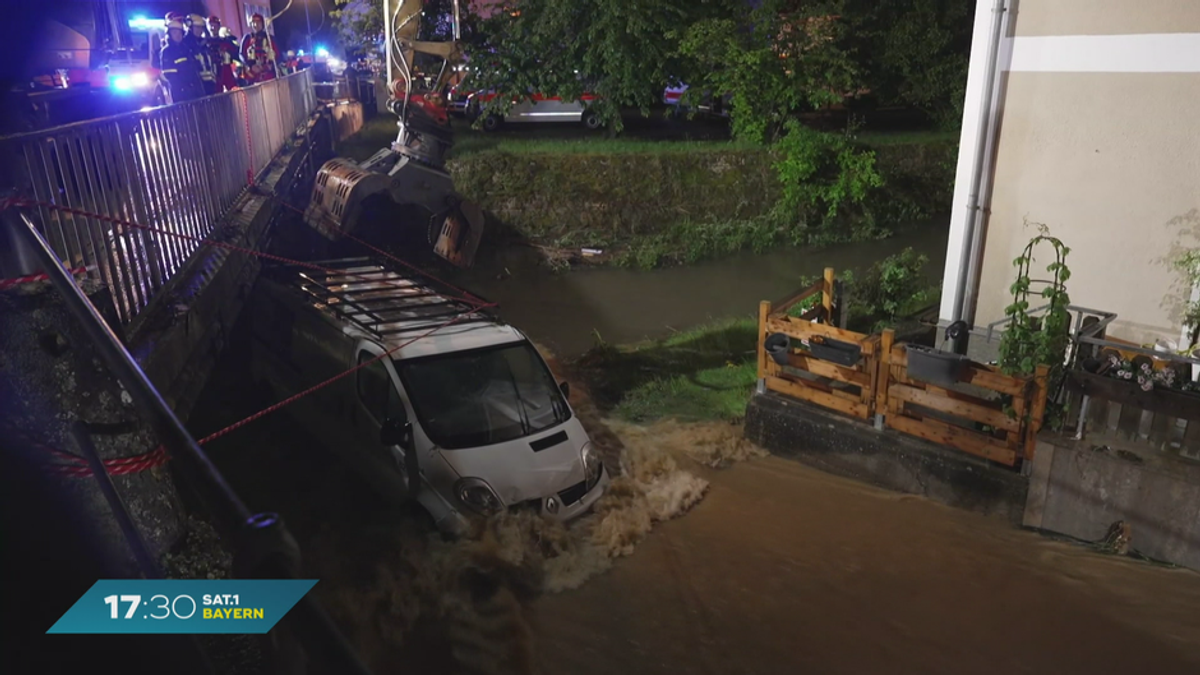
x: 380, y: 299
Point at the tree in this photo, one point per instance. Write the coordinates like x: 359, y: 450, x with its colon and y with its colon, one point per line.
x: 784, y: 58
x: 624, y: 52
x: 913, y: 53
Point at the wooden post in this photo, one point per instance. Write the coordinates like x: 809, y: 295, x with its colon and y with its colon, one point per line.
x: 1041, y: 392
x: 882, y: 377
x: 827, y: 295
x: 764, y: 310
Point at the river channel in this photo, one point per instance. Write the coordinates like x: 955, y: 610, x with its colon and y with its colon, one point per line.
x: 567, y: 311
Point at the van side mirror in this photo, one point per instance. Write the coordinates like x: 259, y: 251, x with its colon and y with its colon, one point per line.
x: 396, y: 431
x: 565, y: 387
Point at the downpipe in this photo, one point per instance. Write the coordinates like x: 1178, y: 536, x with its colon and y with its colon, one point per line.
x: 972, y: 238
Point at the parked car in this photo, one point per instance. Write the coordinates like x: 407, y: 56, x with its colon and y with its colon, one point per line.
x: 467, y: 421
x: 537, y: 108
x: 673, y: 96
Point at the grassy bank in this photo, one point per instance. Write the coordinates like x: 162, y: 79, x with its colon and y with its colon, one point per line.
x: 647, y: 201
x: 652, y: 203
x: 701, y: 374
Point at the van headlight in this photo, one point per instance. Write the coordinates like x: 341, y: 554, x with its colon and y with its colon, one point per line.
x: 478, y: 496
x: 592, y: 466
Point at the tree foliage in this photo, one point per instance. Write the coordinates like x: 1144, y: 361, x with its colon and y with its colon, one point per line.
x: 624, y: 52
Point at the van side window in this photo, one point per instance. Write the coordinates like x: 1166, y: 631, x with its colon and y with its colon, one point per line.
x: 373, y: 386
x: 376, y: 391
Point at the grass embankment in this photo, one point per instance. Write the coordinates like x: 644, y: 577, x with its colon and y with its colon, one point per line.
x: 709, y: 372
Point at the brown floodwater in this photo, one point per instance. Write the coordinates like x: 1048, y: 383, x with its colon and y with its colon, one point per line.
x: 784, y: 569
x: 567, y: 311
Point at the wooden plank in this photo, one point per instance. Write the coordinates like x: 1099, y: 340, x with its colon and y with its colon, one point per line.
x: 955, y: 437
x: 1041, y: 393
x: 803, y: 330
x: 984, y: 415
x: 831, y: 370
x: 816, y: 384
x: 1190, y: 445
x: 764, y: 310
x: 977, y: 374
x: 883, y: 374
x: 1129, y: 421
x: 782, y: 306
x: 823, y: 399
x: 813, y: 313
x: 827, y: 294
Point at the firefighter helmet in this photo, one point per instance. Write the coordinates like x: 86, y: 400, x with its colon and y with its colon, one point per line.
x: 196, y: 20
x: 175, y: 24
x: 214, y: 19
x: 174, y: 16
x: 257, y: 17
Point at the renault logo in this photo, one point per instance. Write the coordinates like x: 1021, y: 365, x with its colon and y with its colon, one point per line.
x: 551, y: 505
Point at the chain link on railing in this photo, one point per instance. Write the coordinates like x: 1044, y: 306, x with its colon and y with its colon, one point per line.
x: 179, y: 168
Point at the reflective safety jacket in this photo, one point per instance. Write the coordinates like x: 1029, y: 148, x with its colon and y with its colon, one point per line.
x: 180, y: 68
x: 204, y: 59
x: 260, y: 56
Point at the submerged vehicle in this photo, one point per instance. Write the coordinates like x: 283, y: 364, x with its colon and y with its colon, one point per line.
x: 467, y: 421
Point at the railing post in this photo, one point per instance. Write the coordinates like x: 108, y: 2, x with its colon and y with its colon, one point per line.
x: 827, y: 295
x: 883, y: 376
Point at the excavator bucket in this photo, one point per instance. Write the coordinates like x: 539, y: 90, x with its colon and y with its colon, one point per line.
x: 461, y: 233
x: 338, y: 194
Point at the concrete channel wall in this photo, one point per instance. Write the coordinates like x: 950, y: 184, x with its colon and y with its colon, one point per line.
x: 1076, y: 489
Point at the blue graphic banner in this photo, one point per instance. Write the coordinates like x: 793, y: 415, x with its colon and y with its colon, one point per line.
x: 182, y: 606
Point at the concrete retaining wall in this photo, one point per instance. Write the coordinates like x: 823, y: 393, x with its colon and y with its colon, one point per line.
x: 1081, y: 492
x: 885, y: 458
x: 180, y: 335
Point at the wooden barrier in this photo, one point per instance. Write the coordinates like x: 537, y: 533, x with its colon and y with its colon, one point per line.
x: 987, y: 413
x: 845, y: 388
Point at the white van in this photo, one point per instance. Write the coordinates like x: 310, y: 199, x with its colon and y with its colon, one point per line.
x: 467, y: 420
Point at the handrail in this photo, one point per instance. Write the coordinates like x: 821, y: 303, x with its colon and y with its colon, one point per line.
x: 264, y: 548
x: 137, y: 114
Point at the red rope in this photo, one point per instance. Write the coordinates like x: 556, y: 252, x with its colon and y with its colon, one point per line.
x: 220, y: 244
x: 6, y: 284
x: 249, y: 138
x: 77, y: 466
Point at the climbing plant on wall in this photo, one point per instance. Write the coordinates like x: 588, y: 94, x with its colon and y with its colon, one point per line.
x: 1035, y: 335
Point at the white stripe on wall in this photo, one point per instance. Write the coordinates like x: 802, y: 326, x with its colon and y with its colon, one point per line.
x: 1153, y: 53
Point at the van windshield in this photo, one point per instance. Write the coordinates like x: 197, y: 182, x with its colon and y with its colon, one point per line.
x: 483, y: 397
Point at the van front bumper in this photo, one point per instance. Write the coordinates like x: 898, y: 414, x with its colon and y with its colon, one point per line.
x: 456, y: 522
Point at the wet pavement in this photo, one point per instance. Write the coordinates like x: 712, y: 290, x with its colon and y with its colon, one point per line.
x: 783, y: 569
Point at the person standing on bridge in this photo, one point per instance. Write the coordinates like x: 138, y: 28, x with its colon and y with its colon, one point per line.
x: 179, y: 67
x: 227, y: 58
x: 259, y: 52
x: 197, y: 41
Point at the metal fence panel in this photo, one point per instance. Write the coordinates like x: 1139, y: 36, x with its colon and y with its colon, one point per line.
x: 177, y: 168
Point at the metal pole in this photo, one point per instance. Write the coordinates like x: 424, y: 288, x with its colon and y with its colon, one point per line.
x: 974, y: 208
x: 83, y: 440
x: 308, y: 22
x: 263, y: 538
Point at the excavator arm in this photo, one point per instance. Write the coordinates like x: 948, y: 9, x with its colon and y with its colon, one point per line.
x: 412, y: 170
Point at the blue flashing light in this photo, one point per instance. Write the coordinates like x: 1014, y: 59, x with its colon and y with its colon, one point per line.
x: 299, y: 52
x: 142, y: 23
x: 122, y: 84
x: 321, y: 51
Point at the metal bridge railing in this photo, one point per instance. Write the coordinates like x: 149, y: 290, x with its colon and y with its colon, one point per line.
x: 177, y: 168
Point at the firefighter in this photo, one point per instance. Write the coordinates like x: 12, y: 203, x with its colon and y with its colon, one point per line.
x: 172, y: 16
x: 179, y: 66
x: 197, y: 41
x: 259, y: 52
x: 292, y: 65
x: 227, y: 59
